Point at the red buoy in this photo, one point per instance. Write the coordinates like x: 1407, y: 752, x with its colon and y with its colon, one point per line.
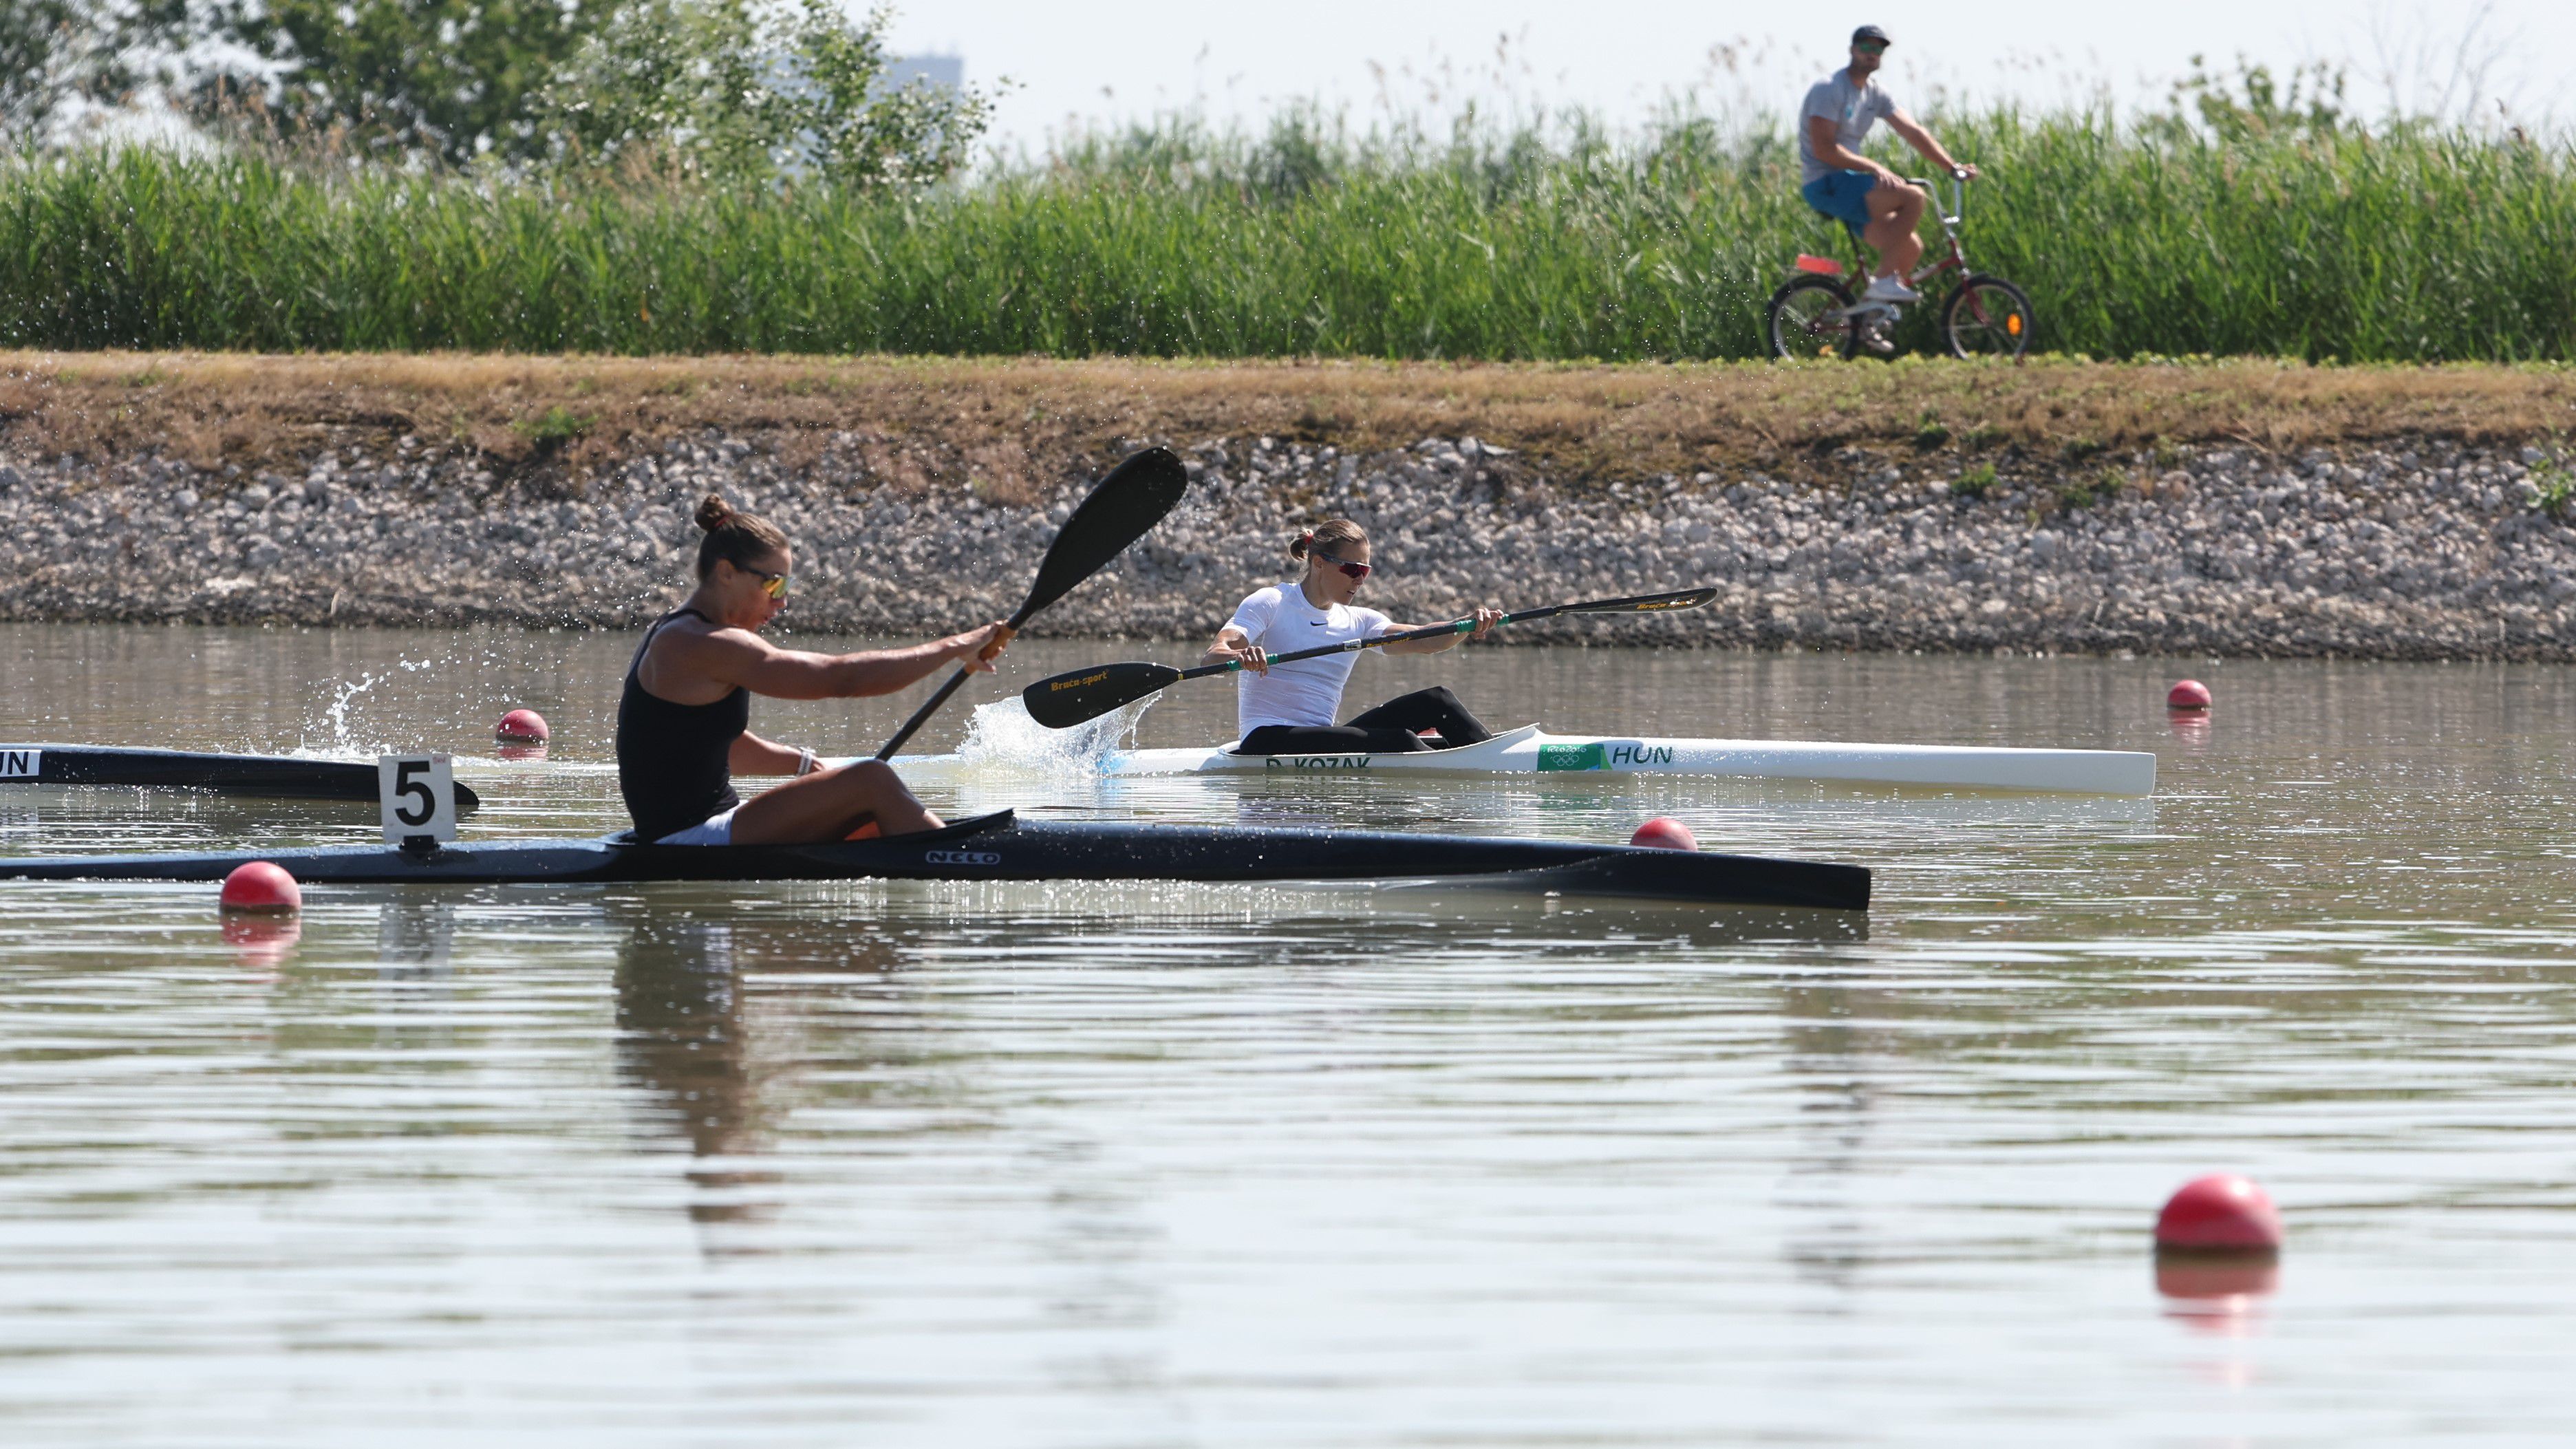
x: 521, y: 727
x: 1665, y: 833
x: 2220, y: 1213
x: 263, y: 886
x: 2189, y: 694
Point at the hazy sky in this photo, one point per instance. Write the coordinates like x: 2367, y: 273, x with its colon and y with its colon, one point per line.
x: 1125, y: 58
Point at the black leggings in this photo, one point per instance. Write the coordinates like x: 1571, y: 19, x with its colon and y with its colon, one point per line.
x: 1385, y: 730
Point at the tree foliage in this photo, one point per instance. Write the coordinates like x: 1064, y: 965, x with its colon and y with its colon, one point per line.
x: 753, y: 90
x: 53, y: 53
x: 450, y: 79
x: 2255, y: 104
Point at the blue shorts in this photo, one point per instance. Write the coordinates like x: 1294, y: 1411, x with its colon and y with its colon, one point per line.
x: 1844, y: 196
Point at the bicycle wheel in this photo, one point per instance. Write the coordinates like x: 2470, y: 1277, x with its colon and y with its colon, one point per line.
x: 1802, y: 321
x: 1987, y: 317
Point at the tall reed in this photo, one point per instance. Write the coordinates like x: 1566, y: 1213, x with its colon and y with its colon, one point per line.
x: 1529, y: 243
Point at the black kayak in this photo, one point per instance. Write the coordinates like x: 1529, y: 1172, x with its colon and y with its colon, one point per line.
x: 280, y: 777
x: 1002, y: 847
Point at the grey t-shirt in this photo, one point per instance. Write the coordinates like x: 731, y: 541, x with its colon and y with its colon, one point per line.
x: 1852, y: 108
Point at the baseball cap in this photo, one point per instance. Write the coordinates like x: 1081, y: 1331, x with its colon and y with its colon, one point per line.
x: 1870, y: 32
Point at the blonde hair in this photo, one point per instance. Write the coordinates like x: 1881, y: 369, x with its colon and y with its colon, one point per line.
x: 1329, y: 537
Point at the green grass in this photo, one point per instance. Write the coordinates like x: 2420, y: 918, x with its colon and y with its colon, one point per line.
x: 2410, y: 246
x: 2554, y: 487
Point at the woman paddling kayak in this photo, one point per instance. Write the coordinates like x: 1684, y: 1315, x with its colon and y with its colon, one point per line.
x: 683, y: 721
x: 1289, y: 710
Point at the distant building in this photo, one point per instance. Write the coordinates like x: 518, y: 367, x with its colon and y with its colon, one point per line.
x: 938, y: 70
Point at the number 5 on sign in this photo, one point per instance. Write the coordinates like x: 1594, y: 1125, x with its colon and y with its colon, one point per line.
x: 417, y: 794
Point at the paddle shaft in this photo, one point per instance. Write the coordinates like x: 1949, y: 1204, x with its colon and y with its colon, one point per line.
x: 939, y: 697
x: 1436, y: 631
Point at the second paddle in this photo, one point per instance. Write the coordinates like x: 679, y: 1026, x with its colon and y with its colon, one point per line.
x: 1065, y: 700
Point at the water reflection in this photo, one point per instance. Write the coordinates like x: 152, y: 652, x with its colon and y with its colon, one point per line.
x: 2219, y: 1295
x: 682, y: 1042
x: 262, y: 943
x: 686, y: 1040
x: 1142, y: 1161
x: 415, y: 934
x: 1832, y: 1055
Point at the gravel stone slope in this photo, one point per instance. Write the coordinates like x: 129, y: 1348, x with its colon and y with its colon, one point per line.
x: 2426, y: 551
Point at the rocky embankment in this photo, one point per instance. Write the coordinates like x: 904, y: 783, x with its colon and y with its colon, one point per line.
x: 2432, y: 550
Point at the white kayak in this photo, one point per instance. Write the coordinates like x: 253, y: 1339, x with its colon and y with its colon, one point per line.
x: 1530, y: 750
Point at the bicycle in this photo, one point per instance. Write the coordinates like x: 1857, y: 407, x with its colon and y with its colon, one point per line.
x: 1816, y: 313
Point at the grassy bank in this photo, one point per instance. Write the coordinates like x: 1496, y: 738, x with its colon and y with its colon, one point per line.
x: 995, y: 422
x: 2411, y: 246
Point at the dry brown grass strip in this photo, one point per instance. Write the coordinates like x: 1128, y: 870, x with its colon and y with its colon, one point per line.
x: 997, y: 420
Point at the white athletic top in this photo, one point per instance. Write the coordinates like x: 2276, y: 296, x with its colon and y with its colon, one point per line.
x: 1308, y: 692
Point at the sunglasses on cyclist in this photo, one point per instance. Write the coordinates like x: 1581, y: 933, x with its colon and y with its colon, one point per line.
x: 1352, y: 570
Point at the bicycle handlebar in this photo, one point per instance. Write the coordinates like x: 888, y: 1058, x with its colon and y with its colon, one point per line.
x: 1958, y: 192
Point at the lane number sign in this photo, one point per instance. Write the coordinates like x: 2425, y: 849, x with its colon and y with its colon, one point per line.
x: 416, y: 795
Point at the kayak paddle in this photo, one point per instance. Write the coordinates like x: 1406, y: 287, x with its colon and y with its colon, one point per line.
x: 1066, y: 700
x: 1121, y: 509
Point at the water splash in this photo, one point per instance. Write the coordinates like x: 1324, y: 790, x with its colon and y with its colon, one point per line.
x: 338, y: 713
x: 342, y: 742
x: 1001, y: 738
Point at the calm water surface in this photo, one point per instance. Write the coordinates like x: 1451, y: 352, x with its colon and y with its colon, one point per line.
x: 1143, y: 1165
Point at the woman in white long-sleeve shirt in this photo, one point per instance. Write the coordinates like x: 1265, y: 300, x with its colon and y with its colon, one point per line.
x: 1290, y: 709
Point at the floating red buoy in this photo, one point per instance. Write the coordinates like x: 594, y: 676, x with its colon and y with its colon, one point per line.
x: 262, y: 885
x: 521, y: 727
x: 2220, y: 1213
x: 2189, y: 694
x: 1665, y: 833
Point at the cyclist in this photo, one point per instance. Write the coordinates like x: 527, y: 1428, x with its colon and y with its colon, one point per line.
x: 1872, y: 201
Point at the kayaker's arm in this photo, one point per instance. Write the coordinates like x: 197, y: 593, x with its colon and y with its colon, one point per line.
x: 1233, y: 646
x: 738, y: 656
x: 1486, y: 619
x: 752, y: 755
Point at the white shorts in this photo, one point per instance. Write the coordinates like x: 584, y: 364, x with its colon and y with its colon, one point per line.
x: 714, y: 830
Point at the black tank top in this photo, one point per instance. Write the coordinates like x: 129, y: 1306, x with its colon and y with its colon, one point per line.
x: 674, y: 761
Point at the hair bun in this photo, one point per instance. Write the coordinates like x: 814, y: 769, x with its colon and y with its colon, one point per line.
x: 714, y: 513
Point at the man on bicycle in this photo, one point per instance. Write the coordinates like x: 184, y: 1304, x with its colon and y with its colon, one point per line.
x: 1872, y: 201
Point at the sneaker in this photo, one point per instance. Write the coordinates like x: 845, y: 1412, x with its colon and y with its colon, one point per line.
x: 1891, y: 288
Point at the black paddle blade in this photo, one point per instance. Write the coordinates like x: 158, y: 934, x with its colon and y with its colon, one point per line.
x: 1086, y: 694
x: 1646, y: 603
x: 1119, y: 511
x: 1122, y: 508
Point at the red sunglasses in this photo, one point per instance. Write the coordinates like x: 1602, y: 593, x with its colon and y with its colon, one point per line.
x: 1352, y: 570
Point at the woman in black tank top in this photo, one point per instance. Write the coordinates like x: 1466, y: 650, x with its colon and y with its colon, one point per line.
x: 683, y: 720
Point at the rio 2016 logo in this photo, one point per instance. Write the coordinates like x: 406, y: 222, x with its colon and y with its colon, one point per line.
x: 1604, y: 755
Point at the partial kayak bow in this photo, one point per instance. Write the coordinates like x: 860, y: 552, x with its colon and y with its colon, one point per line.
x: 1064, y: 700
x: 277, y: 777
